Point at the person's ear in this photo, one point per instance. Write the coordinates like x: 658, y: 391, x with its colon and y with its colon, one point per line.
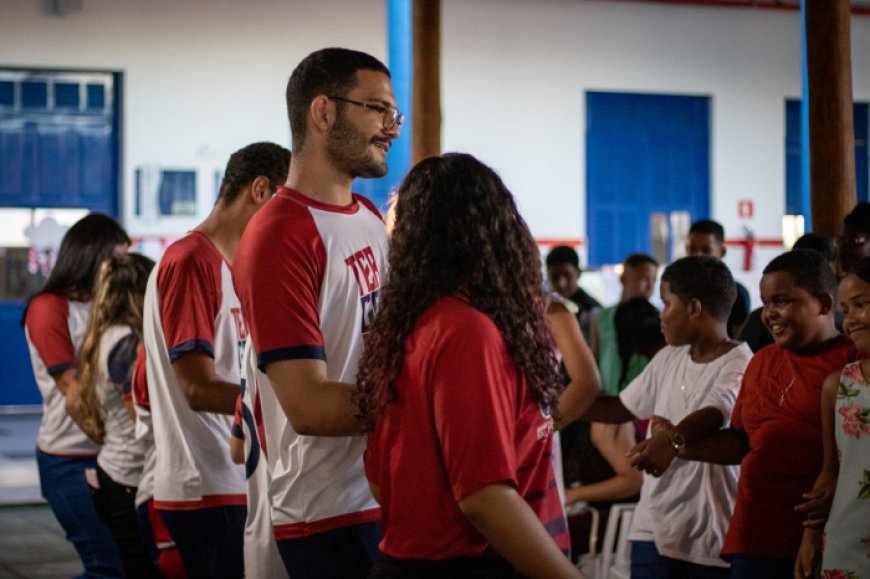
x: 261, y: 190
x: 826, y: 301
x: 722, y: 251
x: 320, y: 114
x: 695, y: 307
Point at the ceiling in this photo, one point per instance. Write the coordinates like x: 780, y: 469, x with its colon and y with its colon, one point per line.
x: 859, y: 7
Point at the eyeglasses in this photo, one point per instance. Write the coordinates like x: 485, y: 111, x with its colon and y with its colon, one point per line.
x: 391, y: 115
x: 855, y: 240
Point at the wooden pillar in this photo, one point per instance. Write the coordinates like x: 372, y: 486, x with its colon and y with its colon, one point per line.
x: 426, y: 105
x: 832, y: 134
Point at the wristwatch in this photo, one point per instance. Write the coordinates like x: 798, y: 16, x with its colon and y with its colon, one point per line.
x: 678, y: 441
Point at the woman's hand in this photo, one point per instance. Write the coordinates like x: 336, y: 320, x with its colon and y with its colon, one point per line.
x: 808, y: 555
x: 817, y: 504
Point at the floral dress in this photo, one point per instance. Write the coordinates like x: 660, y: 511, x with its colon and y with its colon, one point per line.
x: 847, y: 534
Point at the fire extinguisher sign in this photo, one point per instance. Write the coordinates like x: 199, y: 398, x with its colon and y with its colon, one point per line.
x: 745, y: 208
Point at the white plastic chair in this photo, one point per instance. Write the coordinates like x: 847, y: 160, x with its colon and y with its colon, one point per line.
x: 615, y: 559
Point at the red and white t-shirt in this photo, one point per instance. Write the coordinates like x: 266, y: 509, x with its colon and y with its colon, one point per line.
x: 262, y: 558
x: 463, y: 419
x: 55, y: 327
x: 308, y: 276
x: 190, y: 305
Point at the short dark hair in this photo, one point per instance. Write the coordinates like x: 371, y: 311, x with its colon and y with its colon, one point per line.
x: 709, y: 227
x: 256, y: 160
x: 331, y: 72
x: 561, y: 255
x: 816, y: 242
x: 703, y: 278
x: 809, y: 270
x: 639, y: 259
x: 859, y: 218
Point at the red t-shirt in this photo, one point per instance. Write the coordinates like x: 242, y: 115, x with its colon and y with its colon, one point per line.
x: 463, y: 419
x: 785, y: 443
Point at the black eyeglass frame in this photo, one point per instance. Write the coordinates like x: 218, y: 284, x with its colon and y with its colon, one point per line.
x: 396, y: 118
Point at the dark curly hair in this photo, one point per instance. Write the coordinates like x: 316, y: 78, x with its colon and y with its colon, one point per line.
x: 458, y: 232
x: 256, y: 160
x: 858, y: 219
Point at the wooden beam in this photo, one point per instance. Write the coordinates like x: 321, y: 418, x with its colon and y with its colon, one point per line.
x: 832, y: 133
x: 426, y: 107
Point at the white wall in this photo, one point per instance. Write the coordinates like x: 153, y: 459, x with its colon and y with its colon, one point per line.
x: 515, y: 74
x: 205, y: 77
x: 202, y: 78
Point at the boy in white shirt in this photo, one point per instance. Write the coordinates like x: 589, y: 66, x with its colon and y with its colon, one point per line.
x: 682, y: 517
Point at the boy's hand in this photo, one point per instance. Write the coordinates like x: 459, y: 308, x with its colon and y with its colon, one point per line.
x: 818, y: 502
x: 653, y: 455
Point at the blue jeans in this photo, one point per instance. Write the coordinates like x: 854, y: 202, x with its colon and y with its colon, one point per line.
x: 344, y: 553
x: 62, y: 481
x: 210, y: 540
x: 647, y: 563
x: 751, y: 566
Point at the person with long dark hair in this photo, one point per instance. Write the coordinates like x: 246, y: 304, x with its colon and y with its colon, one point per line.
x: 456, y: 385
x: 54, y: 322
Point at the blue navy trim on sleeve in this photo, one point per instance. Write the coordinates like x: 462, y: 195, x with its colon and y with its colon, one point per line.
x: 120, y: 362
x: 237, y: 431
x: 58, y: 368
x: 182, y: 349
x: 294, y: 353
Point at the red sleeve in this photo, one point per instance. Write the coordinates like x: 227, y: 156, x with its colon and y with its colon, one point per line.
x: 140, y: 380
x: 474, y: 398
x: 737, y: 412
x: 278, y: 272
x: 47, y: 324
x: 189, y: 288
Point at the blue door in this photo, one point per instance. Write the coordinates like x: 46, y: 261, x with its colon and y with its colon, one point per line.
x: 59, y: 149
x: 645, y: 154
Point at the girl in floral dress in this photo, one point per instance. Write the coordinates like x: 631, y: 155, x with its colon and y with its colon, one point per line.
x: 846, y: 436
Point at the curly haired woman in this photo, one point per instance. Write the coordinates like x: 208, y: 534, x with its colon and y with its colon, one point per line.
x: 456, y: 385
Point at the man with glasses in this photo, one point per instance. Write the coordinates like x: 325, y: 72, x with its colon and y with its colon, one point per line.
x: 308, y: 274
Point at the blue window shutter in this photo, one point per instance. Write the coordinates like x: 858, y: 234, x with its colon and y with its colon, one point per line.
x: 793, y: 155
x: 644, y: 153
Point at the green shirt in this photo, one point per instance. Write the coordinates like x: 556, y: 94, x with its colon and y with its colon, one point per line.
x: 609, y: 363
